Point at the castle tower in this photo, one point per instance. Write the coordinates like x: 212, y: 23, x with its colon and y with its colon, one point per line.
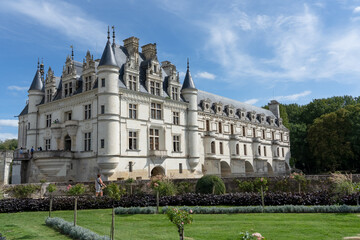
x: 108, y: 112
x: 189, y: 92
x: 36, y: 94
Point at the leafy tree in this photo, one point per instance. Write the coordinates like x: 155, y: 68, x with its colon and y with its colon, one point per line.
x: 327, y: 138
x: 9, y: 144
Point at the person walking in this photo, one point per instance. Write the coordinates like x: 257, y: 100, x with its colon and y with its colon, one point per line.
x: 99, y: 186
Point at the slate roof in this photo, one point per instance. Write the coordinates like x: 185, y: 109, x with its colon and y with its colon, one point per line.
x: 202, y: 95
x: 108, y: 57
x: 37, y: 83
x: 188, y: 82
x: 25, y: 110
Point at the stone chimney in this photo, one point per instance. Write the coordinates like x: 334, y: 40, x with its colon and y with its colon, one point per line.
x: 132, y: 45
x: 274, y: 108
x: 149, y: 51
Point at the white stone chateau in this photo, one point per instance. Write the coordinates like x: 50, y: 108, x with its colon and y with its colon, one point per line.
x: 128, y: 115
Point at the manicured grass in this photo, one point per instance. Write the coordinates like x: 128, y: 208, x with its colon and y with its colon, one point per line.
x: 30, y: 225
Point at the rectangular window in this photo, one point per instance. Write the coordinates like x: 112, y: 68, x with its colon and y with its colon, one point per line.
x: 132, y: 140
x: 283, y: 153
x: 254, y: 132
x: 176, y: 143
x: 49, y: 95
x: 207, y: 125
x: 87, y: 110
x: 272, y: 135
x: 48, y: 120
x: 232, y: 129
x: 157, y: 89
x: 132, y: 82
x: 130, y: 166
x: 281, y: 137
x: 244, y: 131
x: 220, y: 127
x: 47, y: 144
x: 154, y: 139
x: 87, y: 142
x: 176, y: 118
x: 263, y: 134
x: 102, y: 109
x: 103, y: 82
x: 68, y: 116
x: 174, y: 93
x: 156, y: 111
x: 221, y: 148
x: 245, y: 152
x: 66, y: 89
x: 152, y: 88
x: 180, y: 168
x: 70, y: 88
x: 88, y: 83
x: 132, y: 111
x: 102, y: 143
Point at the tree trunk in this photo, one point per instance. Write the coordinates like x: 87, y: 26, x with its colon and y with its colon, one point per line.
x: 157, y: 201
x: 113, y: 224
x: 75, y: 211
x: 181, y: 233
x: 262, y: 198
x: 50, y: 207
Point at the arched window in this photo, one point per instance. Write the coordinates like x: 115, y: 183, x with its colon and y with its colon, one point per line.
x: 264, y: 151
x: 213, y: 147
x: 237, y: 149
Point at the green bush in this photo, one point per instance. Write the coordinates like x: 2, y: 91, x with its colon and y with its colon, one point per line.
x: 22, y: 191
x: 261, y: 182
x: 164, y: 186
x: 75, y: 232
x: 245, y: 186
x: 114, y: 191
x: 184, y: 187
x: 51, y: 188
x: 76, y: 190
x: 210, y: 184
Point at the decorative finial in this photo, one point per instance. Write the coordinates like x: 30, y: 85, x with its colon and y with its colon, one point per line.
x: 108, y: 37
x: 72, y: 52
x: 188, y: 63
x: 113, y: 28
x: 38, y: 66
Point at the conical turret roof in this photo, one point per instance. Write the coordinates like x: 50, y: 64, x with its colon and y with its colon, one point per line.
x: 37, y: 83
x: 108, y: 57
x: 188, y: 82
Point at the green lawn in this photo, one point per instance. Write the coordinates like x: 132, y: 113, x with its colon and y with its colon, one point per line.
x: 278, y: 226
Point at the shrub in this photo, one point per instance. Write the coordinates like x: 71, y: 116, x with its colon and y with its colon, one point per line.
x: 22, y: 191
x: 210, y: 184
x: 180, y: 218
x: 342, y: 183
x: 135, y: 210
x: 261, y: 182
x: 245, y: 186
x: 51, y: 188
x: 114, y: 191
x: 164, y: 186
x: 74, y: 232
x: 184, y: 187
x: 76, y: 190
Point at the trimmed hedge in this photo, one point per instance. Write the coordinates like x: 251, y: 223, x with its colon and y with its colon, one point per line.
x: 135, y: 210
x: 210, y: 184
x: 190, y: 199
x: 75, y: 232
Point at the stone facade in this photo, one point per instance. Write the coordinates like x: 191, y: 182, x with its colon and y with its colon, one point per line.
x: 6, y: 158
x: 127, y: 115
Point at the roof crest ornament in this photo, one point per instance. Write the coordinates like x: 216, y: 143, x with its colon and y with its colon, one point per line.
x: 113, y: 28
x: 188, y: 63
x: 72, y: 52
x: 108, y: 37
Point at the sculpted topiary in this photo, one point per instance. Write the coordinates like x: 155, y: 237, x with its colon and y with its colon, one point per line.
x: 210, y: 184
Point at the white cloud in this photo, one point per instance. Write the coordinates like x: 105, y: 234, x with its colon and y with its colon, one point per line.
x: 293, y: 97
x: 8, y: 122
x: 61, y: 16
x: 205, y: 75
x: 17, y: 88
x: 252, y: 101
x: 4, y: 136
x: 357, y: 9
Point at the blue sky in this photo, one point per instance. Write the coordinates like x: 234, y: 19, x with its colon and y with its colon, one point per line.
x: 250, y: 50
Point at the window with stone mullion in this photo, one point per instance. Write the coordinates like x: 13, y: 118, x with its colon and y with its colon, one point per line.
x: 154, y: 139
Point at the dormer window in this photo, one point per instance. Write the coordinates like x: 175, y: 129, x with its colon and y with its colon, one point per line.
x: 174, y: 93
x: 68, y: 68
x: 154, y: 68
x: 132, y: 83
x: 205, y: 104
x: 218, y: 108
